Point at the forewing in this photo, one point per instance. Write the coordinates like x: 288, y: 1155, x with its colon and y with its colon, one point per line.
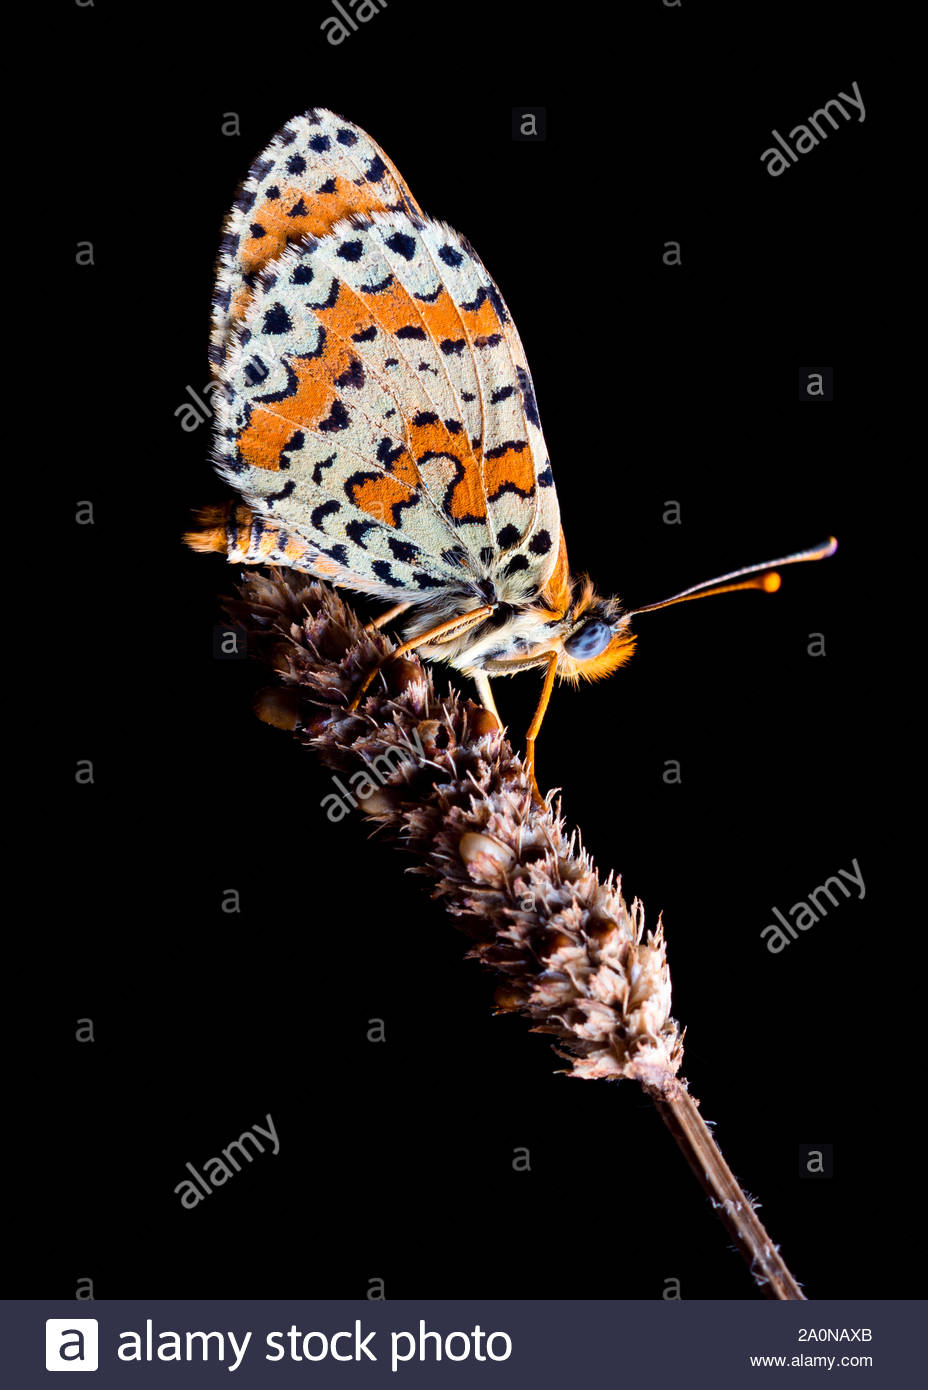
x: 315, y: 172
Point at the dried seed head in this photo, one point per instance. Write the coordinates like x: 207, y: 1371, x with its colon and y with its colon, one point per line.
x: 278, y: 706
x: 481, y: 722
x: 577, y: 961
x: 401, y: 673
x: 379, y: 803
x: 473, y: 847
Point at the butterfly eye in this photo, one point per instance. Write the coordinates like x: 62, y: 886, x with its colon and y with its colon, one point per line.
x: 588, y: 641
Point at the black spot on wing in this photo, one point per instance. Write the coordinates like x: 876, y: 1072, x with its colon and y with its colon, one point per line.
x: 411, y: 330
x: 402, y: 244
x: 366, y: 335
x: 317, y: 351
x: 496, y: 299
x: 403, y: 550
x: 375, y: 170
x: 480, y: 297
x: 357, y: 530
x: 318, y: 515
x: 285, y: 491
x: 507, y: 536
x: 379, y: 287
x: 427, y: 581
x: 276, y: 320
x: 293, y: 446
x: 323, y: 463
x: 261, y: 373
x: 518, y: 562
x: 337, y: 419
x: 529, y: 403
x: 450, y: 255
x: 353, y: 375
x: 388, y: 451
x: 540, y: 543
x: 384, y: 571
x: 330, y: 300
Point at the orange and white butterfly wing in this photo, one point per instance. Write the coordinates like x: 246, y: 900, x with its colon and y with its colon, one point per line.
x: 378, y: 407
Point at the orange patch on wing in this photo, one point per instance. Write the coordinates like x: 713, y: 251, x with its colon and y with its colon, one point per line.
x: 434, y: 436
x: 482, y: 322
x: 267, y: 432
x: 395, y: 308
x: 515, y: 466
x: 468, y: 499
x: 323, y: 210
x: 380, y: 496
x: 347, y: 315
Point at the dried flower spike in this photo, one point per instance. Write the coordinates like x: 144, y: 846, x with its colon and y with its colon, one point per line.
x: 445, y: 782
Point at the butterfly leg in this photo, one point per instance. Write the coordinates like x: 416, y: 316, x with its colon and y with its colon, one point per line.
x: 538, y: 716
x: 482, y: 682
x: 463, y: 622
x: 387, y: 617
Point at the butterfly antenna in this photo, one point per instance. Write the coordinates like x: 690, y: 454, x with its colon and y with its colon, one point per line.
x: 763, y: 576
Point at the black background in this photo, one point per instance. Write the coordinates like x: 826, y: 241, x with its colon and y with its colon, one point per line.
x: 654, y: 383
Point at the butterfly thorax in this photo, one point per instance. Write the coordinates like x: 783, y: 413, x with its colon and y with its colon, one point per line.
x: 589, y: 635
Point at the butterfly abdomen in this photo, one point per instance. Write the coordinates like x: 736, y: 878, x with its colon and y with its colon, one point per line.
x: 234, y: 530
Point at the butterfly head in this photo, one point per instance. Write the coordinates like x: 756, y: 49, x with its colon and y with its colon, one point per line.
x: 595, y: 639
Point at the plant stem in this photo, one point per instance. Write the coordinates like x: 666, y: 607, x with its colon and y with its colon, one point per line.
x: 680, y: 1113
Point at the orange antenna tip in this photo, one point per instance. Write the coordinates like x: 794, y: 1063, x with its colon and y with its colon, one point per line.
x: 762, y: 577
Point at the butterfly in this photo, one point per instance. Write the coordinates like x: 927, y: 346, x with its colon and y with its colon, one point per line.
x: 376, y: 415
